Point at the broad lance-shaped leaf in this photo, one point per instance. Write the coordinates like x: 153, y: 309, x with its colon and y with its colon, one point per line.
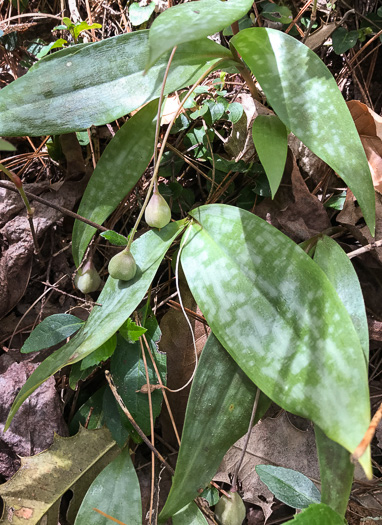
x: 116, y: 492
x: 331, y: 258
x: 271, y: 142
x: 289, y: 486
x: 70, y: 463
x: 118, y: 299
x: 188, y: 22
x: 277, y: 314
x: 336, y: 472
x: 92, y: 84
x: 118, y: 170
x: 335, y: 466
x: 305, y: 96
x: 218, y: 413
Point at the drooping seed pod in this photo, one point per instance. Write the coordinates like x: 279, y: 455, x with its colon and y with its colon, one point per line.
x: 87, y: 279
x: 230, y: 511
x: 157, y: 213
x: 122, y: 266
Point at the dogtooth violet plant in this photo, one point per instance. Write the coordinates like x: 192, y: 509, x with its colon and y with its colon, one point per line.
x: 291, y: 326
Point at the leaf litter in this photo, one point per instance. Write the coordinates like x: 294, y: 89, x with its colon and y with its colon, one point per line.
x: 297, y: 210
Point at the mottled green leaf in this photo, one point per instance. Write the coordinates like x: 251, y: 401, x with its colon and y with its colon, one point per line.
x: 306, y: 98
x: 331, y: 258
x: 280, y: 318
x: 192, y: 21
x: 117, y: 172
x: 51, y: 331
x: 335, y: 466
x: 115, y: 492
x: 118, y: 299
x: 217, y: 415
x: 318, y: 514
x: 271, y: 142
x: 289, y: 486
x: 95, y: 83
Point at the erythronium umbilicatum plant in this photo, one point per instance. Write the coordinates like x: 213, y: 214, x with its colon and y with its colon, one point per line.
x: 281, y: 321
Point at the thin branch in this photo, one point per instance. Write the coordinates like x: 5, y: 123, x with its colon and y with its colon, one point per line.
x: 132, y: 421
x: 64, y: 211
x: 364, y: 249
x: 369, y: 434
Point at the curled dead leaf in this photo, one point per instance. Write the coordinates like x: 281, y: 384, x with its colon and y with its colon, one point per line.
x: 369, y: 127
x: 144, y: 388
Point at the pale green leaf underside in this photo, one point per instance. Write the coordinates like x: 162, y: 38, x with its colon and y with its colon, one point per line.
x: 271, y: 142
x: 192, y: 21
x: 92, y: 84
x: 116, y: 492
x: 289, y: 486
x: 217, y: 415
x: 118, y: 298
x: 277, y: 314
x: 118, y: 170
x: 305, y: 96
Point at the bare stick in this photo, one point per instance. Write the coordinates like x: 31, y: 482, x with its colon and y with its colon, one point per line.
x: 364, y: 249
x: 64, y: 211
x: 18, y: 185
x: 132, y: 421
x: 164, y: 388
x: 156, y: 169
x: 157, y: 126
x: 369, y: 434
x: 254, y: 410
x: 151, y: 426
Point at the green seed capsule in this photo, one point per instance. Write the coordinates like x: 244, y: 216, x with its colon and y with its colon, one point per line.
x: 230, y: 511
x: 87, y: 279
x: 122, y: 266
x: 157, y: 213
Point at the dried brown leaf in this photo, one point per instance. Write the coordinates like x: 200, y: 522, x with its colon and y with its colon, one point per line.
x: 177, y: 343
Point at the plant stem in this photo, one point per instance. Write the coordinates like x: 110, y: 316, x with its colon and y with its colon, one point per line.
x: 64, y: 211
x: 157, y: 127
x: 246, y: 74
x: 30, y: 211
x: 132, y: 421
x: 156, y: 168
